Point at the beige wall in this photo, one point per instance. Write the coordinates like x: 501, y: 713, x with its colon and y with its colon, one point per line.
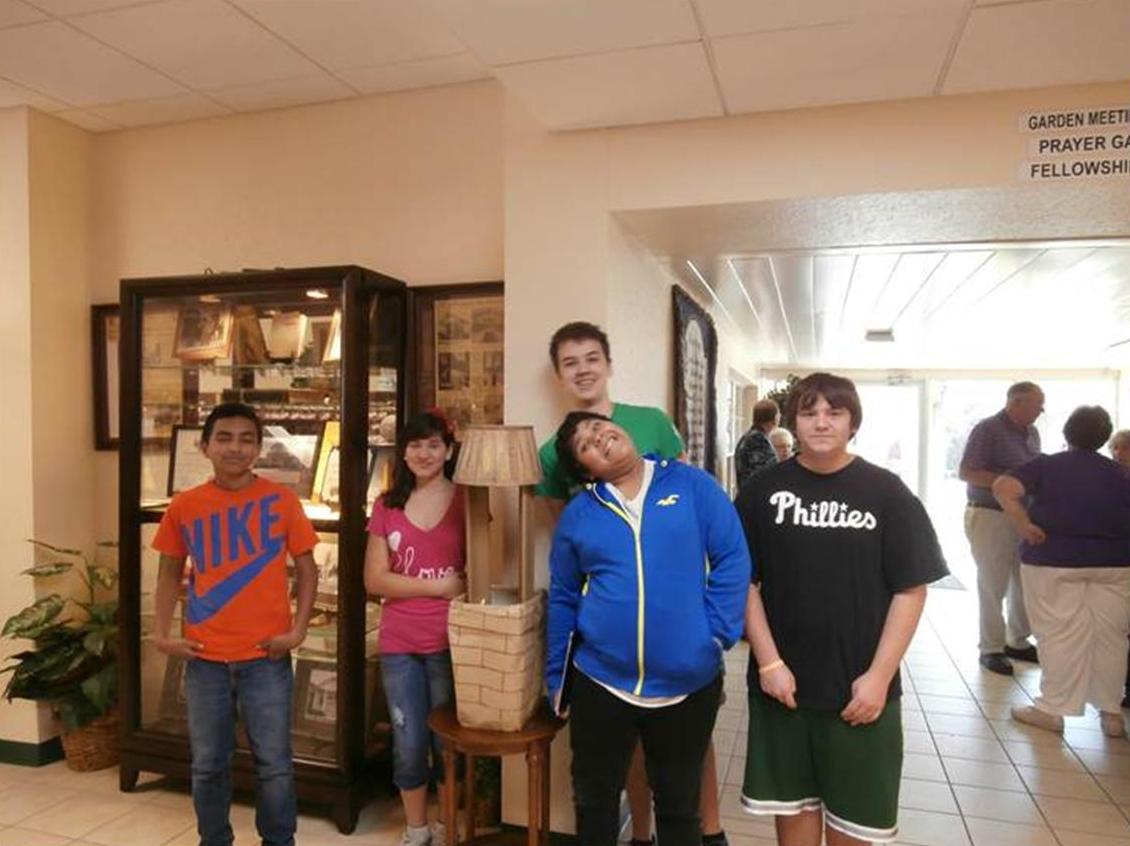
x: 48, y: 490
x: 60, y: 333
x: 18, y: 720
x: 408, y: 184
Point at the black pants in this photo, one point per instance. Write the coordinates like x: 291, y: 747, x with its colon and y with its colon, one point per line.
x: 604, y: 730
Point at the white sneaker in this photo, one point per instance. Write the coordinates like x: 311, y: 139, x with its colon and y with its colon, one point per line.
x: 416, y: 836
x: 439, y: 834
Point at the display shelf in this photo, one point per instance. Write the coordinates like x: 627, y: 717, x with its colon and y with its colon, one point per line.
x: 189, y: 343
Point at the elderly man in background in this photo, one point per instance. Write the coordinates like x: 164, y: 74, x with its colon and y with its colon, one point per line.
x: 754, y: 452
x: 996, y: 445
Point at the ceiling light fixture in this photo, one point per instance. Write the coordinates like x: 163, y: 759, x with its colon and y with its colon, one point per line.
x: 316, y: 294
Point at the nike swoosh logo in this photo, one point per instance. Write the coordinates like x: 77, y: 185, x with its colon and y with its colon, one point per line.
x: 201, y: 608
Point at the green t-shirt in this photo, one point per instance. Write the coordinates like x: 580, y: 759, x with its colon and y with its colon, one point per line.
x: 652, y: 432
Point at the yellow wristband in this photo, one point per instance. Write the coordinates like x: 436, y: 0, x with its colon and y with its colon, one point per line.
x: 772, y: 665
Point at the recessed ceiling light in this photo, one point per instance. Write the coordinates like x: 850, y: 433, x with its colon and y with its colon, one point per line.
x: 317, y: 294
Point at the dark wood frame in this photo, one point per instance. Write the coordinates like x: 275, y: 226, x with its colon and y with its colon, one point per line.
x: 688, y: 312
x: 339, y: 785
x: 422, y: 393
x: 99, y: 314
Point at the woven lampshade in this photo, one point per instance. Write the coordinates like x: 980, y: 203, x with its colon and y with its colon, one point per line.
x: 498, y: 456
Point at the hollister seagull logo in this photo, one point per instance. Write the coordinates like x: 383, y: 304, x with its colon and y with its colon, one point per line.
x: 670, y: 499
x: 820, y: 515
x: 201, y: 540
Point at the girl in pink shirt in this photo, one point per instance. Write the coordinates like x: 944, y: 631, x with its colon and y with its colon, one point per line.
x: 415, y: 561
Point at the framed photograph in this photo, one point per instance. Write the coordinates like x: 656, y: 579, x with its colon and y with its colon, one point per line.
x: 204, y: 331
x: 315, y: 698
x: 317, y: 342
x: 333, y: 345
x: 328, y: 457
x: 287, y: 337
x: 250, y: 345
x: 696, y: 360
x: 460, y: 351
x: 380, y: 471
x: 105, y: 334
x: 289, y: 458
x: 188, y: 466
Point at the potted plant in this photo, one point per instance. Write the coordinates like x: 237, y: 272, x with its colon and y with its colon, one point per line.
x: 73, y: 665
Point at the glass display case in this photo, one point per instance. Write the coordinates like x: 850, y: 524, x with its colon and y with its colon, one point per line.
x: 320, y: 354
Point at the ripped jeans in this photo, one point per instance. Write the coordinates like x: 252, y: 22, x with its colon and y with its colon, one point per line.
x: 414, y: 685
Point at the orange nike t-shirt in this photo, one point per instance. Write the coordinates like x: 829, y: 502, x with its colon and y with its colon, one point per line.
x: 237, y: 543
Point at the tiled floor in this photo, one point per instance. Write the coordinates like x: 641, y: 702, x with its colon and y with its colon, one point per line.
x: 971, y: 778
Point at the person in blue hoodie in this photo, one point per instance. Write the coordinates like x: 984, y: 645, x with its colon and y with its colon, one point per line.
x: 649, y: 574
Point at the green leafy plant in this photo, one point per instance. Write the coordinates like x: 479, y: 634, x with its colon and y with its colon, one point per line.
x: 73, y: 664
x: 780, y: 394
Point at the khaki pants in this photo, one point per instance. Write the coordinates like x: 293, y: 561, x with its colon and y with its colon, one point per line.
x: 995, y: 548
x: 1081, y: 616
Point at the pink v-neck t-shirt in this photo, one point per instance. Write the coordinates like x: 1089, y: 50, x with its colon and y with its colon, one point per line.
x: 419, y: 625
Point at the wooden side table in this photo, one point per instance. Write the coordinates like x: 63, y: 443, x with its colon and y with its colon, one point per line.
x: 533, y: 739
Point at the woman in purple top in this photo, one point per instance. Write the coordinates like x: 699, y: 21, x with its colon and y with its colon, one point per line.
x: 415, y: 560
x: 1072, y: 512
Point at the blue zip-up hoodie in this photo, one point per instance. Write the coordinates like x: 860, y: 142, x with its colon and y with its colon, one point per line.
x: 653, y: 613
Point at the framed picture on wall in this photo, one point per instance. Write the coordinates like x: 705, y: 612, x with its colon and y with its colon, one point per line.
x: 696, y: 360
x: 105, y: 330
x: 459, y: 350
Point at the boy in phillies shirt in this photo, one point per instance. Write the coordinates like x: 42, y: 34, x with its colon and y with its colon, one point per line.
x: 237, y: 530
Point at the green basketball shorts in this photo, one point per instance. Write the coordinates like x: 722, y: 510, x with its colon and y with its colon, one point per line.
x: 807, y: 760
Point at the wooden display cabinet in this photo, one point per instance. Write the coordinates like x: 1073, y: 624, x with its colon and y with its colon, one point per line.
x: 320, y: 353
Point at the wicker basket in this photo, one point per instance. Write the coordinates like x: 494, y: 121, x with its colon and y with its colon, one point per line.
x: 93, y: 746
x: 497, y: 653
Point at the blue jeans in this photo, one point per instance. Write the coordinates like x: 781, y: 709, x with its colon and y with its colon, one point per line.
x: 262, y: 691
x: 414, y: 685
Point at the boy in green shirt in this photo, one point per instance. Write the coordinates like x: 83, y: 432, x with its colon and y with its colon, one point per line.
x: 582, y: 360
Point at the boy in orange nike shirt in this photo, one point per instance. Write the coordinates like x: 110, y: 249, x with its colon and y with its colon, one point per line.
x: 237, y: 529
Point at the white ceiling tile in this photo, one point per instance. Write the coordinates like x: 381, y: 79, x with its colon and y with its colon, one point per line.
x: 16, y: 95
x: 421, y: 74
x: 509, y: 31
x: 672, y: 82
x: 736, y: 17
x: 281, y: 93
x: 160, y: 110
x: 878, y: 59
x: 14, y: 12
x: 68, y: 66
x: 1031, y: 45
x: 356, y: 33
x: 87, y: 120
x: 203, y: 43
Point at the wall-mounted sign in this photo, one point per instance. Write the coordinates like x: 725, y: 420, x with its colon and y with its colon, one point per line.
x: 1106, y: 116
x: 1077, y: 143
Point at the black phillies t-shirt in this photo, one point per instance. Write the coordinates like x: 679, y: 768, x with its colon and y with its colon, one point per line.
x: 830, y: 550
